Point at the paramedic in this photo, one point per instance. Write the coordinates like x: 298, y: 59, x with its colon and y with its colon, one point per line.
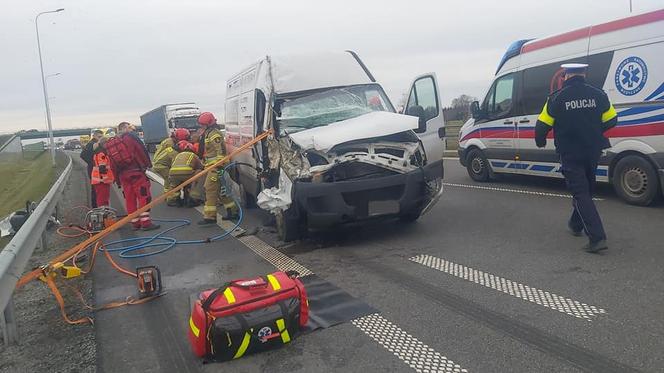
x: 135, y: 184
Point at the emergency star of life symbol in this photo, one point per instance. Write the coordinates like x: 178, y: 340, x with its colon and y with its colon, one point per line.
x: 631, y: 76
x: 264, y: 332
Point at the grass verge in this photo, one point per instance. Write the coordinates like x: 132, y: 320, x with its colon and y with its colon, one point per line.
x: 23, y: 179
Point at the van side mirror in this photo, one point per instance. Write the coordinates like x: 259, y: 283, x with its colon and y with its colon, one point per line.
x: 475, y: 110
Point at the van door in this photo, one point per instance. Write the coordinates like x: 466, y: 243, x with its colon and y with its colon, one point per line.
x: 424, y: 103
x: 498, y: 124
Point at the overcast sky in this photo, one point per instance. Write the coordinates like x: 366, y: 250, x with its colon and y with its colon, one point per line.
x: 121, y: 58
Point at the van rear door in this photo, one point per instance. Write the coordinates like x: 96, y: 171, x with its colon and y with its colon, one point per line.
x: 424, y: 103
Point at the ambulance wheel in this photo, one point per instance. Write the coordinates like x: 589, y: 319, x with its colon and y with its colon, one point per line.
x: 477, y: 165
x: 289, y: 225
x: 635, y: 180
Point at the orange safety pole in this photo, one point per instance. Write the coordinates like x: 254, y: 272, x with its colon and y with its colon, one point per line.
x: 36, y: 273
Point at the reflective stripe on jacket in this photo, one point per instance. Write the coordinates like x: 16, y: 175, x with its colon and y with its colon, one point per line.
x: 101, y: 170
x: 185, y: 163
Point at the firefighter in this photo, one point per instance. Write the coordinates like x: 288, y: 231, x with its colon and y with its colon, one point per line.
x: 579, y: 114
x: 102, y: 175
x: 185, y: 165
x: 163, y: 158
x: 135, y: 184
x: 162, y: 165
x: 166, y: 144
x: 212, y: 148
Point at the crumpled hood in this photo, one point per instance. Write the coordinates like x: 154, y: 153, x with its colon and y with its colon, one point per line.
x: 374, y: 124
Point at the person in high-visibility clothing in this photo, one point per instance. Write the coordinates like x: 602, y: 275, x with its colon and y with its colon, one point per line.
x: 579, y: 114
x: 163, y: 157
x: 212, y: 148
x: 101, y: 176
x: 166, y: 144
x: 185, y: 165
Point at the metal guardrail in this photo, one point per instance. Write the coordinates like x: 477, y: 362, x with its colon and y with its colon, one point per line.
x: 15, y: 256
x: 6, y: 143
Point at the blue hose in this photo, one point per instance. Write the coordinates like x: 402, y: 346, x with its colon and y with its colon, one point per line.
x: 164, y: 242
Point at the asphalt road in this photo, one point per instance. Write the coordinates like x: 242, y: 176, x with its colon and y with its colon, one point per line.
x: 488, y: 281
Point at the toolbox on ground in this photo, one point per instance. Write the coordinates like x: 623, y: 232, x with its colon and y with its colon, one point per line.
x: 247, y: 316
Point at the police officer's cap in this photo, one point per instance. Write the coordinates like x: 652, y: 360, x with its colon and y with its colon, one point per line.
x: 574, y: 68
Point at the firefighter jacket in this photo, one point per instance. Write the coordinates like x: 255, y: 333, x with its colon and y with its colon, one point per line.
x: 101, y: 170
x: 212, y: 146
x: 185, y: 163
x: 163, y: 146
x: 579, y: 114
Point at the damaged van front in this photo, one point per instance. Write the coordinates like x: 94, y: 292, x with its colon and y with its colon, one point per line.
x: 340, y: 154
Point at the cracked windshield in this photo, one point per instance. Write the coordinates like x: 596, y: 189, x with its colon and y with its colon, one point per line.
x: 333, y: 105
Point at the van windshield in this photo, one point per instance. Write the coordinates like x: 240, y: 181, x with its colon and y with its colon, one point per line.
x: 332, y: 105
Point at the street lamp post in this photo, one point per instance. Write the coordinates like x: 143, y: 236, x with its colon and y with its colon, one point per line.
x: 41, y: 66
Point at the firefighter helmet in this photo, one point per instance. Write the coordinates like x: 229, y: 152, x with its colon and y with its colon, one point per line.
x: 185, y: 145
x: 181, y: 134
x: 207, y: 119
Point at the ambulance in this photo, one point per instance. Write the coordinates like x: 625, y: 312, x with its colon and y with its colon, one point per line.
x: 625, y: 58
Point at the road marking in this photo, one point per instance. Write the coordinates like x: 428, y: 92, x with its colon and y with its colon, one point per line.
x: 274, y: 256
x: 407, y: 348
x: 541, y: 297
x: 451, y: 158
x: 521, y: 191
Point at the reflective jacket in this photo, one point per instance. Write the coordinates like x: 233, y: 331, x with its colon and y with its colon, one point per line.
x: 185, y: 163
x: 163, y: 146
x: 212, y: 145
x: 101, y: 170
x: 579, y: 114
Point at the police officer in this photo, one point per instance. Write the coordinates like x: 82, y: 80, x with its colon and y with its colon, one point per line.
x: 212, y: 148
x: 579, y: 114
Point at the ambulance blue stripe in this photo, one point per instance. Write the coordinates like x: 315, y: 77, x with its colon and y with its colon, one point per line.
x: 659, y: 90
x: 518, y: 166
x: 640, y: 110
x: 499, y: 164
x: 654, y: 118
x: 601, y: 172
x: 539, y: 167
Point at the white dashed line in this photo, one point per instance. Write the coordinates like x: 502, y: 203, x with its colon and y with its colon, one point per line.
x: 543, y: 298
x: 407, y: 348
x: 416, y: 354
x: 521, y: 191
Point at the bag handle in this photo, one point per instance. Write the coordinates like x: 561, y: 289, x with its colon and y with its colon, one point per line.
x: 215, y: 293
x: 252, y: 283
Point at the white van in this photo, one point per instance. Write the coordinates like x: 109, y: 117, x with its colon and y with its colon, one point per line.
x: 340, y: 153
x: 626, y: 59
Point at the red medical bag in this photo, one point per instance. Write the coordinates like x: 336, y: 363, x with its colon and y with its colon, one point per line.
x: 247, y: 316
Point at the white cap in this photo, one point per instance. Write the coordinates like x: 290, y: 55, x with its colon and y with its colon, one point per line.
x: 574, y: 67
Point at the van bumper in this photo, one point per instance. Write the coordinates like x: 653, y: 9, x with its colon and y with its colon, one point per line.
x: 462, y: 156
x: 329, y: 204
x: 658, y: 160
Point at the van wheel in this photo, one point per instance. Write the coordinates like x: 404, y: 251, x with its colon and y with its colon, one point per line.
x: 289, y: 225
x: 477, y: 165
x: 635, y: 180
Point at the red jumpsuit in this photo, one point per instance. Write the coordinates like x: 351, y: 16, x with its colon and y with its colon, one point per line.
x: 102, y: 178
x: 135, y: 184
